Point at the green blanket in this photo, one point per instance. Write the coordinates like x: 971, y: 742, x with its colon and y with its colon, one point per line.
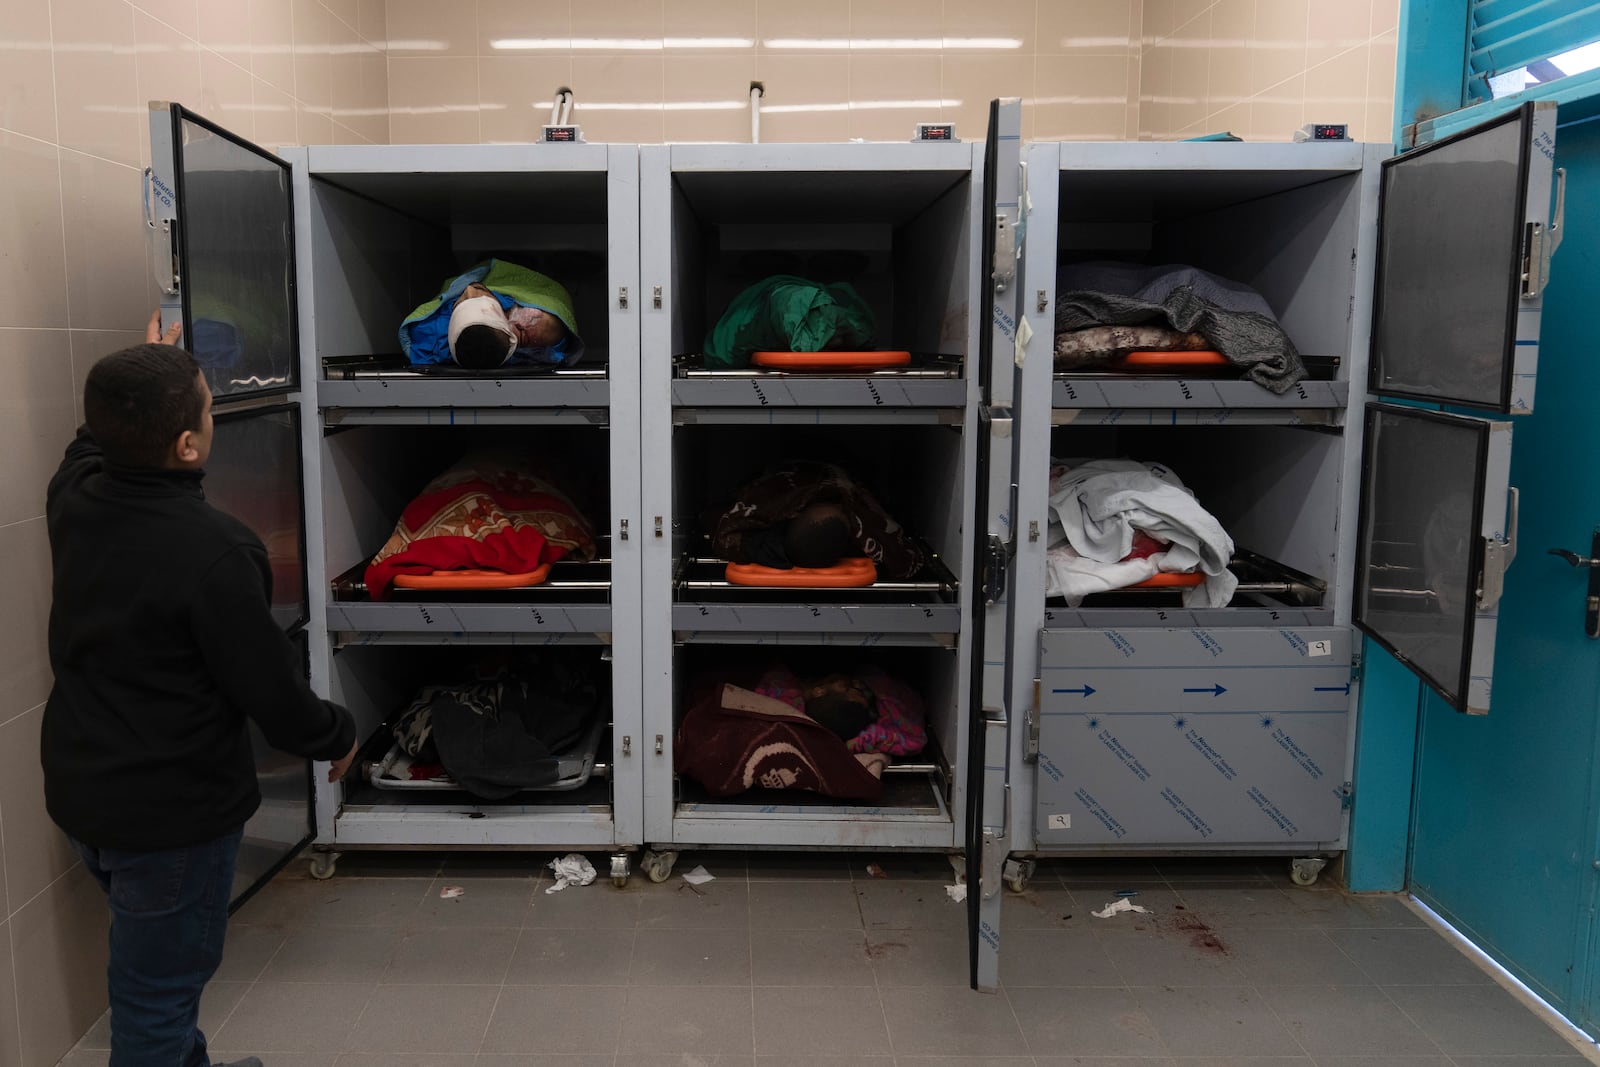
x: 424, y: 333
x: 788, y: 314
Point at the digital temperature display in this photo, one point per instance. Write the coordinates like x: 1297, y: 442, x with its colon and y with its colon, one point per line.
x: 1329, y: 132
x: 561, y: 134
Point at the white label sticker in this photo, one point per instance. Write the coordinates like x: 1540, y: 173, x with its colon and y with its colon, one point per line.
x: 1060, y: 822
x: 1319, y: 648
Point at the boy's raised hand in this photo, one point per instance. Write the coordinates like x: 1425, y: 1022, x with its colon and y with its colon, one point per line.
x: 152, y: 330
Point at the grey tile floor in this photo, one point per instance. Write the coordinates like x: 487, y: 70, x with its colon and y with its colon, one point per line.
x: 805, y: 959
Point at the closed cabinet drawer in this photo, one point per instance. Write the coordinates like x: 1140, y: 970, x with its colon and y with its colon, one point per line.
x: 1191, y: 738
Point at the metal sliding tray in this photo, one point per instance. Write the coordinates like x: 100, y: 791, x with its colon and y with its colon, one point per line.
x: 391, y: 382
x: 1200, y: 392
x: 589, y: 581
x: 577, y: 766
x: 707, y: 604
x: 930, y: 381
x: 903, y: 794
x: 575, y: 599
x: 930, y: 762
x: 1262, y: 581
x: 702, y: 579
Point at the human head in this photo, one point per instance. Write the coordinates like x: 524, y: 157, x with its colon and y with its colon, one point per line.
x: 819, y: 537
x: 481, y: 336
x: 843, y: 704
x: 148, y: 407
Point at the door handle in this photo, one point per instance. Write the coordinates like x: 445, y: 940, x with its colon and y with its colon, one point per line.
x: 1591, y: 603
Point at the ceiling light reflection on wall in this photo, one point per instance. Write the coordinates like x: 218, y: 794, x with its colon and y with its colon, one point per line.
x: 657, y: 105
x: 859, y: 105
x: 888, y: 44
x: 708, y: 42
x: 617, y: 44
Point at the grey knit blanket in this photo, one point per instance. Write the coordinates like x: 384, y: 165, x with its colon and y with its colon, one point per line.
x: 1232, y: 317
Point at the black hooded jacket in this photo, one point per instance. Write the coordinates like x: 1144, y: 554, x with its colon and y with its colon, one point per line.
x: 163, y: 646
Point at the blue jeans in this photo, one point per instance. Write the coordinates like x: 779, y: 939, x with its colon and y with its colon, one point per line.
x: 169, y: 915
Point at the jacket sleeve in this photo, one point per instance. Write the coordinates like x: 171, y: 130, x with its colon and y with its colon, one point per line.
x: 83, y: 458
x: 254, y: 664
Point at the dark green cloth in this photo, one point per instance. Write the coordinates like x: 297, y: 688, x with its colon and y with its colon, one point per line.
x: 788, y: 314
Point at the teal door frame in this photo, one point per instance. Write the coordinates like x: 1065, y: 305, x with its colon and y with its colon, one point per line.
x: 1407, y: 738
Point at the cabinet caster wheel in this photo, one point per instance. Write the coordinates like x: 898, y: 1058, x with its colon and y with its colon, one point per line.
x: 1306, y: 871
x: 323, y: 865
x: 1017, y: 874
x: 620, y: 869
x: 658, y: 865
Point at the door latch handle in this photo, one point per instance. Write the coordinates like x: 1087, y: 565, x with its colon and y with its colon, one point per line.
x: 1591, y: 601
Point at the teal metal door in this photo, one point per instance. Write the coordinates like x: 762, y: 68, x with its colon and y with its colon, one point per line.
x: 1505, y: 823
x: 1494, y: 821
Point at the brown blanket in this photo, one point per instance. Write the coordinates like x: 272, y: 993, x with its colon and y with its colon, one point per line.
x: 788, y: 489
x: 734, y: 739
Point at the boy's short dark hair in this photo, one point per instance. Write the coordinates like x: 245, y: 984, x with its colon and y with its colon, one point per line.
x: 137, y: 401
x: 482, y: 347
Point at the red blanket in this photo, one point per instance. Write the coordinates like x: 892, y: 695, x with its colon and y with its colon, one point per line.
x: 488, y: 512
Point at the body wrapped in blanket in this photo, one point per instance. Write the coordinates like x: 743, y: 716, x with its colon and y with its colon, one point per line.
x: 809, y: 514
x: 1105, y: 310
x: 746, y: 728
x: 493, y: 510
x: 499, y: 728
x: 1117, y: 522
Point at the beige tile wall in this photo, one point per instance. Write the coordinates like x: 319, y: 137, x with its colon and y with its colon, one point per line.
x: 1262, y: 68
x: 75, y: 76
x: 680, y: 70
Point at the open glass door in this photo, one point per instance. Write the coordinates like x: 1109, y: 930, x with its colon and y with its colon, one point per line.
x: 1465, y: 237
x: 1433, y: 544
x: 222, y: 218
x: 255, y: 475
x: 987, y: 741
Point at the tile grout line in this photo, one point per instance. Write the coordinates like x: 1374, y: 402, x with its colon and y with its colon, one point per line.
x: 1017, y: 1019
x: 61, y: 190
x: 20, y: 714
x: 250, y: 987
x: 1284, y: 1023
x: 877, y: 983
x: 499, y: 994
x: 1408, y: 1017
x: 373, y: 995
x: 750, y: 954
x: 11, y: 949
x: 627, y: 989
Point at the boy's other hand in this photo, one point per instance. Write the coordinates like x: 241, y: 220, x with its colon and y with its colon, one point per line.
x: 337, y: 770
x: 152, y: 330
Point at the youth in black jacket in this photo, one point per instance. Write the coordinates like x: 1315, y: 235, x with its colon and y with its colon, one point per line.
x: 163, y: 645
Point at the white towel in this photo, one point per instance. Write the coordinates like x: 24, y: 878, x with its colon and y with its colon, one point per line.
x: 1095, y: 508
x: 571, y: 869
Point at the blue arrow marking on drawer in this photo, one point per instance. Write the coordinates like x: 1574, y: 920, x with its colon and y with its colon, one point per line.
x: 1086, y: 690
x: 1214, y: 690
x: 1345, y: 689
